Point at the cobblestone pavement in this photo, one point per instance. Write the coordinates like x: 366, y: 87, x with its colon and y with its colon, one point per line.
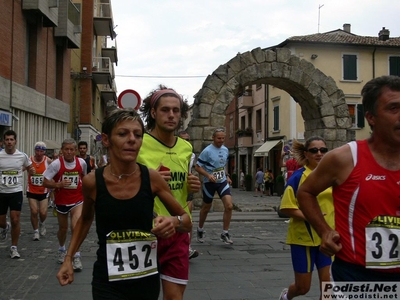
x: 256, y: 266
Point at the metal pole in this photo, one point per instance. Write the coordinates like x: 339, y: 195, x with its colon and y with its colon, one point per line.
x: 319, y: 13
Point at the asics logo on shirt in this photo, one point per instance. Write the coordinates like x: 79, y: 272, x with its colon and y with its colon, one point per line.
x: 375, y: 177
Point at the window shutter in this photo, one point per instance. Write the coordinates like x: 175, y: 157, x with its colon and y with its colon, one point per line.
x: 394, y: 65
x: 360, y: 116
x: 349, y: 67
x: 276, y: 118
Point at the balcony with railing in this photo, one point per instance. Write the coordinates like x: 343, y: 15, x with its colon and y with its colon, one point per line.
x: 47, y: 8
x: 103, y: 19
x: 103, y: 71
x: 69, y: 24
x: 110, y: 51
x: 245, y: 141
x: 245, y: 101
x: 107, y: 93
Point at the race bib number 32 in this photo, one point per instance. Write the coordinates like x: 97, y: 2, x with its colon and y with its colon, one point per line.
x: 382, y: 239
x: 131, y: 254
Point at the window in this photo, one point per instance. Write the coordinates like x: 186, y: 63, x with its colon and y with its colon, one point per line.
x: 258, y: 120
x: 349, y: 67
x: 276, y: 118
x: 250, y: 115
x: 230, y: 125
x: 357, y: 115
x: 242, y: 122
x: 394, y: 65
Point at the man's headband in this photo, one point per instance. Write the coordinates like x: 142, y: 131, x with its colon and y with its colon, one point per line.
x: 40, y: 148
x: 157, y: 95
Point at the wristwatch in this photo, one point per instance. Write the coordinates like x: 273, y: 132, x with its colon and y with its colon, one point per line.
x: 180, y: 219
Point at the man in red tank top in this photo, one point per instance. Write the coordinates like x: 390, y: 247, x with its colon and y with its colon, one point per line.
x: 65, y: 176
x: 365, y: 176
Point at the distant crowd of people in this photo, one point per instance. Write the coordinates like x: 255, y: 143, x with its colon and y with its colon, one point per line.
x: 342, y: 202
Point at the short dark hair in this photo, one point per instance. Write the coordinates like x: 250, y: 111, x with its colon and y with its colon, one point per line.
x: 82, y: 143
x: 10, y: 132
x: 372, y: 90
x: 146, y: 107
x: 120, y: 115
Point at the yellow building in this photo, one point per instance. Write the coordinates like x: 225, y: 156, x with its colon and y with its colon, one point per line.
x: 273, y: 118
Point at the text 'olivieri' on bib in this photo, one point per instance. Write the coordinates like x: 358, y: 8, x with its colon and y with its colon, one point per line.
x: 131, y: 254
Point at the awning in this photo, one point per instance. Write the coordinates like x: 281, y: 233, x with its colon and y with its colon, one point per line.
x: 52, y: 144
x: 266, y: 147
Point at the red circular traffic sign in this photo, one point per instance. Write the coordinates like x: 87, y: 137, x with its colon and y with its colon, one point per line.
x: 129, y: 99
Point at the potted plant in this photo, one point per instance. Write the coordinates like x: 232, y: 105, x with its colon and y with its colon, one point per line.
x: 240, y: 132
x: 234, y: 179
x: 248, y: 181
x: 244, y: 132
x: 279, y: 185
x: 249, y: 131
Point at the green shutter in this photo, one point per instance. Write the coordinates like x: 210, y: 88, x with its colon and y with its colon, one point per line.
x: 349, y: 67
x: 276, y: 118
x: 394, y: 65
x: 360, y: 116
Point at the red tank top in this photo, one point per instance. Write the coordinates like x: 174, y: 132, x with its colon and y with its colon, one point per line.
x: 73, y: 193
x: 367, y: 213
x: 35, y: 182
x: 291, y: 166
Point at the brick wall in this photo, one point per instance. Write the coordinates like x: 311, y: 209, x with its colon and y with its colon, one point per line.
x: 49, y: 68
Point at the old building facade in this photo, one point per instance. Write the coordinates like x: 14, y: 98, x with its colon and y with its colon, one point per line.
x: 306, y: 85
x: 276, y: 118
x: 35, y: 60
x: 93, y: 87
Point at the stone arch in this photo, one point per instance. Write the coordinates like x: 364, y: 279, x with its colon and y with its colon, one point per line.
x: 322, y: 103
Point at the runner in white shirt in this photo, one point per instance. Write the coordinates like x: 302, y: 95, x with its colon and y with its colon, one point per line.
x: 12, y: 165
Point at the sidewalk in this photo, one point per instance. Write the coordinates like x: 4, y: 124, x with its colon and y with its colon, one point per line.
x: 246, y: 201
x: 247, y: 207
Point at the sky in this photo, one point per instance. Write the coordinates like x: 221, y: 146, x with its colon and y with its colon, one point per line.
x: 178, y: 43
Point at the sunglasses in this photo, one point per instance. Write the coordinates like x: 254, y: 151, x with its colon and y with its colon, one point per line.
x: 315, y: 150
x: 40, y: 148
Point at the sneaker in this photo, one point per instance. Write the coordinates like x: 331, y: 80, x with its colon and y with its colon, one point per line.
x: 225, y: 237
x: 193, y: 253
x: 51, y: 205
x: 42, y: 229
x: 35, y: 236
x: 77, y: 264
x: 284, y: 291
x: 61, y: 256
x: 14, y: 253
x: 200, y: 236
x: 4, y: 232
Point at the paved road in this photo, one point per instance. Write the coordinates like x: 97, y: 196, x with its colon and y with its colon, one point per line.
x: 256, y: 266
